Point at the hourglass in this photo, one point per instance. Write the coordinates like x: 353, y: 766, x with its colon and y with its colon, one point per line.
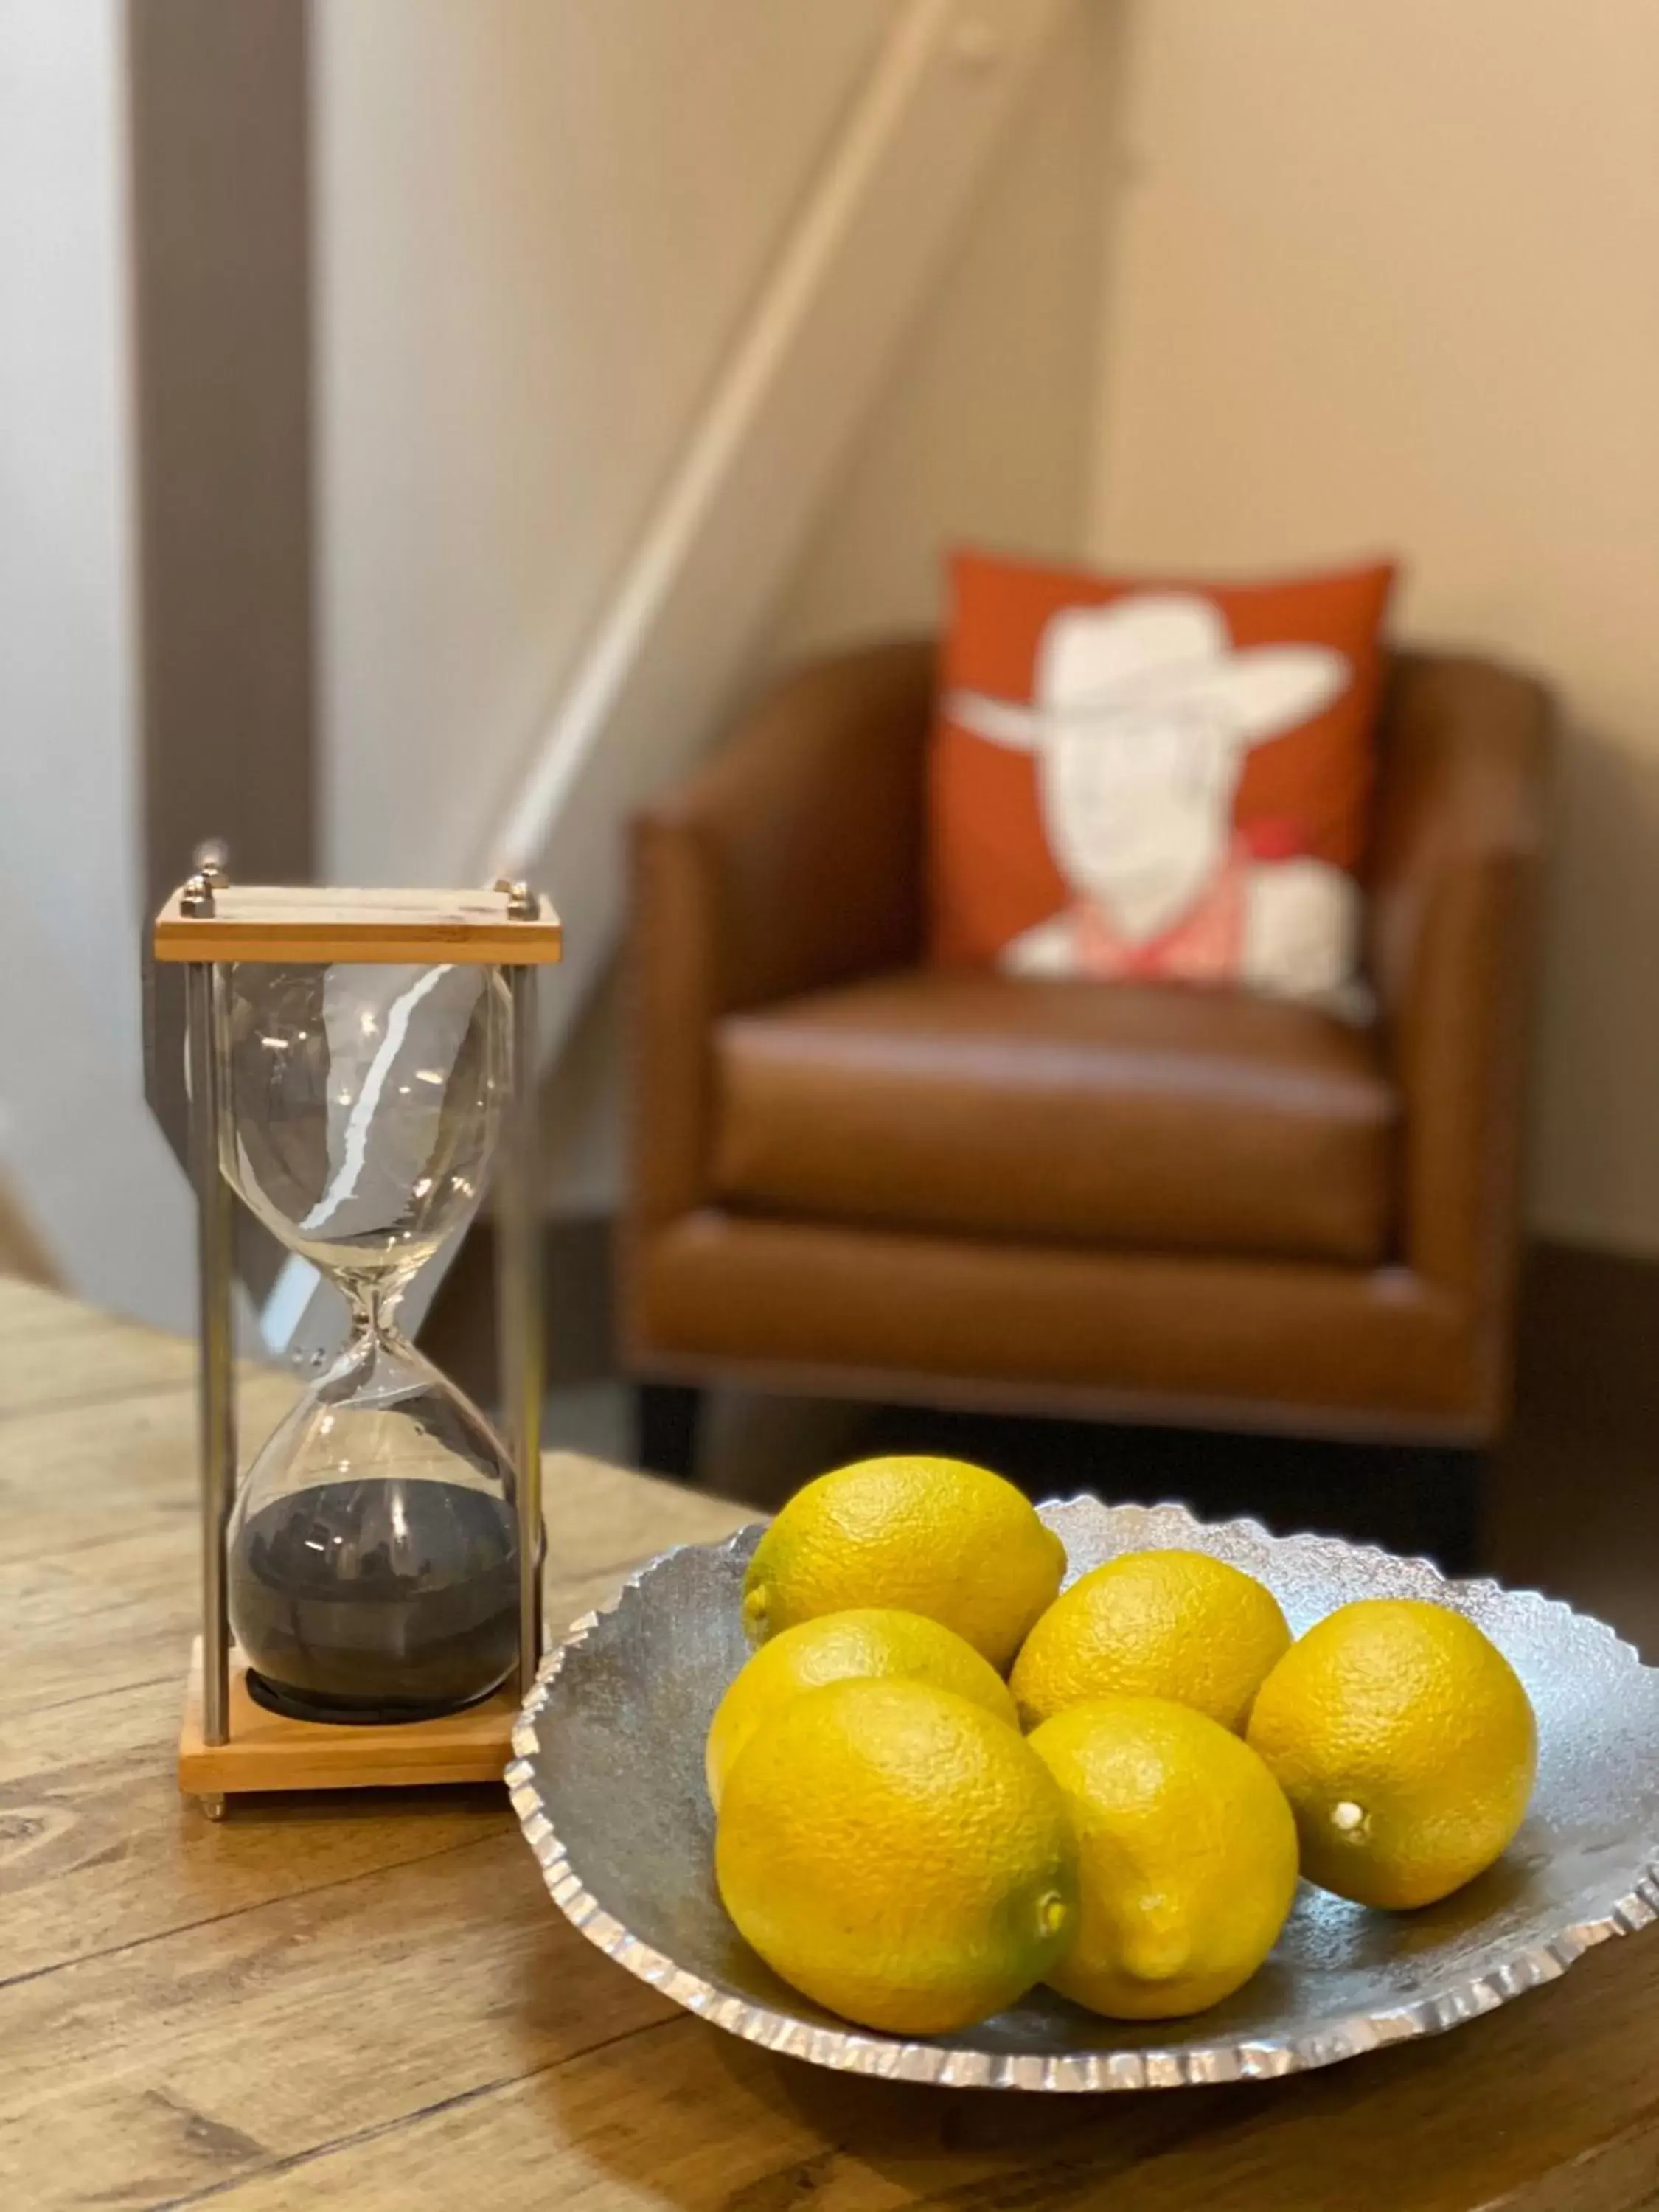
x: 371, y: 1586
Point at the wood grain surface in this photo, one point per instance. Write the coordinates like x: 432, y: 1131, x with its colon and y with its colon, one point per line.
x: 306, y: 922
x: 373, y: 2006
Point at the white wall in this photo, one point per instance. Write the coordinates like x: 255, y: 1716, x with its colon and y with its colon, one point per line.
x: 66, y: 703
x: 1387, y: 274
x: 82, y: 1159
x: 537, y: 228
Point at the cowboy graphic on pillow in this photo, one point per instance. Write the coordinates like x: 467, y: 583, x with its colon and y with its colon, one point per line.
x: 1143, y: 713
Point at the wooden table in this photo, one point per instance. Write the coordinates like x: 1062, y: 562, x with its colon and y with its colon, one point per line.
x: 373, y: 2005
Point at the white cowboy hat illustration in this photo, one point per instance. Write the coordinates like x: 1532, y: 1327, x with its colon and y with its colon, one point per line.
x: 1154, y: 656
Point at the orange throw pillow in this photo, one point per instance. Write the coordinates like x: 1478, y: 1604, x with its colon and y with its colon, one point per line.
x: 1154, y: 780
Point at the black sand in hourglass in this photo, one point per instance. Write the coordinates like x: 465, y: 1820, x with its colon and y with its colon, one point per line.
x: 377, y: 1601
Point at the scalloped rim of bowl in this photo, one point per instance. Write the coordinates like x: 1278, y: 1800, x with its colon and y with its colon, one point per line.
x: 859, y: 2050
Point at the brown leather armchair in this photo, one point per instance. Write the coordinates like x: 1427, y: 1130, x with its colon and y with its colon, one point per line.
x: 853, y: 1174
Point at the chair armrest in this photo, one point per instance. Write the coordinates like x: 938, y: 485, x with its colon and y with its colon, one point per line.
x: 1455, y: 877
x: 790, y: 861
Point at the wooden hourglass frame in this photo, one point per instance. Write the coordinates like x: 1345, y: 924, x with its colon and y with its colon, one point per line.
x: 231, y: 1740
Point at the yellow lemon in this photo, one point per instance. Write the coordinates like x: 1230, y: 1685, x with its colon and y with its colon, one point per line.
x: 838, y: 1646
x: 898, y: 1854
x: 1406, y: 1746
x: 1176, y: 1625
x: 1186, y: 1856
x: 935, y: 1536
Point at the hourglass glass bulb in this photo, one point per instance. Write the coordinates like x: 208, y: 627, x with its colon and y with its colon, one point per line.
x: 373, y: 1550
x: 373, y: 1546
x: 363, y: 1106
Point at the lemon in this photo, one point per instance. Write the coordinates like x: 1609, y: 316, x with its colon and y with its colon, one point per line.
x: 1176, y: 1625
x: 1186, y: 1856
x: 935, y: 1536
x: 870, y: 1642
x: 898, y: 1854
x: 1406, y: 1746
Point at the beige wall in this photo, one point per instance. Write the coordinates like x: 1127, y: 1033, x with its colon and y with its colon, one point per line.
x: 1388, y: 274
x: 986, y: 431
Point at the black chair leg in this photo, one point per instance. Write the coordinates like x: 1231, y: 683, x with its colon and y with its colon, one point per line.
x: 665, y: 1429
x: 1431, y: 1500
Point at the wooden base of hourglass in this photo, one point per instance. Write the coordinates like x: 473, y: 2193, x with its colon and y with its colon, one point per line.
x: 268, y: 1750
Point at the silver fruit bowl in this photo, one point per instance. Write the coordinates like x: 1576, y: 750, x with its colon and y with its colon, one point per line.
x: 607, y: 1782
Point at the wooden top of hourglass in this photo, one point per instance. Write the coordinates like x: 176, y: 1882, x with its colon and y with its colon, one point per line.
x: 208, y: 918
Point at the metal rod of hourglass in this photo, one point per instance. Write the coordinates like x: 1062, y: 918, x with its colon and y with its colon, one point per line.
x: 518, y: 1302
x: 216, y: 1403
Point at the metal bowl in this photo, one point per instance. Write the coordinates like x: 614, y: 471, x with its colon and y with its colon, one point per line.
x: 607, y: 1781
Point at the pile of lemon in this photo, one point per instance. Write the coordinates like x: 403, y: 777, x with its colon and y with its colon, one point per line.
x: 915, y: 1841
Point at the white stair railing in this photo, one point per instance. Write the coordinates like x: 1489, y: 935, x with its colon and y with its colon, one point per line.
x: 680, y: 631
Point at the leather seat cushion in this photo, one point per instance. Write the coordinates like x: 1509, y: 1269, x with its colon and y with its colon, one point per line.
x: 897, y: 1316
x: 1150, y: 1116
